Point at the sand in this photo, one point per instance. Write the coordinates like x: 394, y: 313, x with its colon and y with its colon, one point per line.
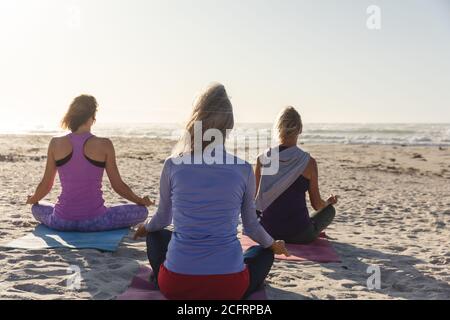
x: 394, y: 213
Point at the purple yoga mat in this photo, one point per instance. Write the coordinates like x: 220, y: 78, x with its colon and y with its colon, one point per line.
x: 320, y: 250
x: 142, y: 289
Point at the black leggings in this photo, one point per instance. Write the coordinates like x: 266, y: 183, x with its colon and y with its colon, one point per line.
x: 258, y: 259
x: 320, y: 221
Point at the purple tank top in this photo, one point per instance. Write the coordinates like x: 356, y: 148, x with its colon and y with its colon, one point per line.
x: 288, y: 214
x: 81, y: 182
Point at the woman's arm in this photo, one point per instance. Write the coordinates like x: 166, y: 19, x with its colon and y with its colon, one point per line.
x: 163, y: 216
x: 312, y: 174
x: 251, y: 225
x: 120, y: 187
x: 46, y: 184
x: 258, y: 175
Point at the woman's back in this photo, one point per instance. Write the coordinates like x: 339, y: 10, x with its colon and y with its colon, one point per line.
x: 281, y: 196
x: 81, y: 177
x: 80, y: 158
x: 206, y: 202
x: 203, y: 191
x: 288, y: 214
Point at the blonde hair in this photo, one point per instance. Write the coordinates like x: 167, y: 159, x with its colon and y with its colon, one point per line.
x: 80, y: 110
x: 288, y: 123
x: 215, y: 111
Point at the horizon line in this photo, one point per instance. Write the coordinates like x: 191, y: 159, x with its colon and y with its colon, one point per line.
x: 249, y: 122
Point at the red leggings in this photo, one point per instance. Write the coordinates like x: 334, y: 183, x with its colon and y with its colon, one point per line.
x: 177, y: 286
x: 234, y: 286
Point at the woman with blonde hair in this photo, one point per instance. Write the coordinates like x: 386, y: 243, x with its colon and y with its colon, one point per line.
x: 281, y: 198
x: 202, y: 257
x: 80, y: 159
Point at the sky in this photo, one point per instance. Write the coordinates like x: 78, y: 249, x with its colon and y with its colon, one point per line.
x: 146, y: 60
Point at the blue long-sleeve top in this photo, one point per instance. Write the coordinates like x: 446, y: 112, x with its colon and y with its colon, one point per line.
x: 205, y: 201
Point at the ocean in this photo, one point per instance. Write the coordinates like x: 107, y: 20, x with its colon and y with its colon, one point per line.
x: 313, y: 133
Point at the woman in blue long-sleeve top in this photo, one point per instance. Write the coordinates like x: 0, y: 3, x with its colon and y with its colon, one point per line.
x: 204, y: 190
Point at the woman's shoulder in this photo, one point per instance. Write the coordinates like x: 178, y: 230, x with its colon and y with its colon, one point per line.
x: 100, y: 139
x: 268, y: 151
x: 60, y: 137
x: 289, y: 151
x: 267, y: 154
x: 310, y: 168
x: 182, y: 158
x: 101, y: 142
x: 59, y: 140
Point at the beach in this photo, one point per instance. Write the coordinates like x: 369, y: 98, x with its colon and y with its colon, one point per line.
x: 393, y: 213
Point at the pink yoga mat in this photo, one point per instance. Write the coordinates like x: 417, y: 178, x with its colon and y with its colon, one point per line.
x: 320, y: 250
x: 142, y: 289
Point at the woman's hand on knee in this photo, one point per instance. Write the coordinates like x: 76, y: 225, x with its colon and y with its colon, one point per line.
x: 141, y: 232
x: 31, y: 200
x: 332, y: 200
x: 279, y: 247
x: 146, y: 202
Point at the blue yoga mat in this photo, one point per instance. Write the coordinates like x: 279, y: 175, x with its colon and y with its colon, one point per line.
x: 45, y: 238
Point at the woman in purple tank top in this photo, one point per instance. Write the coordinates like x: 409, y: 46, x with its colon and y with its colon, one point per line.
x: 284, y: 212
x: 80, y: 159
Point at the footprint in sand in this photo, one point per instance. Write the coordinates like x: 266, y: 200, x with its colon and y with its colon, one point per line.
x: 101, y: 296
x: 21, y: 223
x: 48, y: 273
x: 396, y: 248
x: 439, y: 224
x: 398, y: 286
x: 34, y: 288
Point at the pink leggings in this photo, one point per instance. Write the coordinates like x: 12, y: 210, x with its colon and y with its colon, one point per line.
x: 116, y: 217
